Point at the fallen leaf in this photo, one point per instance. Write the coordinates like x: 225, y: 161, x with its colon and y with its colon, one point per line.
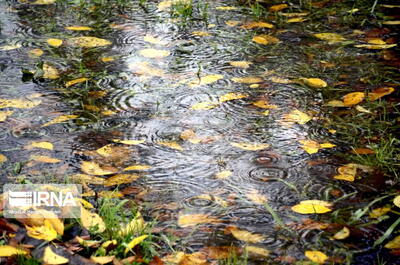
x: 313, y: 147
x: 393, y: 22
x: 262, y: 103
x: 256, y: 197
x: 296, y: 20
x: 60, y: 119
x: 42, y: 232
x: 79, y: 28
x: 297, y: 116
x: 3, y: 159
x: 342, y: 234
x: 10, y: 47
x: 76, y: 81
x: 86, y: 179
x: 265, y: 39
x: 394, y: 244
x: 188, y: 220
x: 49, y: 257
x: 335, y: 103
x: 153, y: 40
x: 172, y: 145
x: 376, y: 41
x: 92, y: 221
x: 250, y: 146
x: 353, y: 98
x: 4, y: 115
x: 129, y: 142
x: 103, y: 259
x: 135, y: 242
x: 316, y: 256
x: 206, y: 105
x: 190, y: 135
x: 137, y: 167
x: 245, y: 236
x: 120, y: 179
x: 380, y: 92
x: 106, y: 150
x: 196, y: 258
x: 88, y: 42
x: 224, y: 174
x: 201, y: 33
x: 378, y: 212
x: 396, y: 201
x: 276, y: 8
x: 92, y: 168
x: 259, y: 24
x: 35, y: 53
x: 375, y: 46
x: 330, y: 37
x: 257, y: 251
x: 43, y: 145
x: 363, y: 151
x: 231, y: 96
x: 44, y: 159
x: 314, y: 82
x: 248, y: 80
x: 312, y: 207
x: 8, y: 251
x: 241, y: 64
x: 55, y: 42
x: 362, y: 109
x: 49, y: 72
x: 226, y: 8
x: 154, y: 53
x: 136, y: 225
x: 216, y: 252
x: 206, y: 80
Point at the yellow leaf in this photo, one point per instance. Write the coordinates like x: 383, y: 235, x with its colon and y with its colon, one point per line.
x: 137, y: 167
x: 42, y: 232
x: 316, y: 256
x: 45, y: 159
x: 262, y: 103
x: 92, y: 168
x: 378, y: 212
x: 376, y: 41
x: 394, y: 244
x: 54, y: 42
x: 394, y: 22
x: 262, y: 252
x: 60, y: 119
x: 241, y: 64
x: 350, y: 178
x: 310, y: 146
x: 226, y: 8
x: 49, y: 72
x: 8, y: 251
x: 135, y: 242
x: 380, y: 92
x: 107, y: 59
x: 252, y: 25
x: 49, y: 257
x: 232, y: 23
x: 88, y: 42
x: 78, y: 28
x: 280, y: 80
x: 35, y: 53
x: 250, y: 146
x: 10, y: 47
x: 327, y: 145
x: 153, y: 40
x: 216, y: 199
x: 129, y: 142
x: 312, y: 207
x: 342, y: 234
x: 173, y: 145
x: 224, y: 174
x: 106, y: 150
x: 204, y: 105
x: 120, y: 179
x: 362, y: 109
x: 245, y: 236
x: 248, y: 80
x: 294, y: 14
x: 76, y: 81
x: 109, y: 194
x: 3, y: 159
x: 92, y: 220
x: 43, y: 145
x: 154, y: 53
x: 136, y: 225
x: 297, y: 116
x: 200, y: 34
x: 85, y: 203
x: 276, y: 8
x: 102, y: 260
x: 108, y: 243
x: 190, y: 135
x: 265, y: 39
x: 375, y: 46
x: 231, y: 96
x: 163, y: 5
x: 314, y: 82
x: 256, y: 197
x: 206, y: 80
x: 396, y: 201
x: 353, y: 98
x: 296, y: 20
x: 87, y: 243
x: 330, y: 37
x: 86, y: 179
x: 196, y: 219
x: 335, y: 103
x: 5, y: 114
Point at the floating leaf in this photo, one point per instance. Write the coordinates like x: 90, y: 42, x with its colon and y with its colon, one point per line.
x: 252, y: 25
x: 129, y: 142
x: 226, y: 8
x: 88, y: 42
x: 257, y: 251
x: 206, y: 80
x: 135, y: 242
x: 394, y: 244
x: 224, y: 174
x: 137, y: 167
x: 201, y: 33
x: 314, y: 82
x: 248, y: 80
x: 92, y: 168
x: 78, y: 28
x: 204, y: 105
x: 43, y: 145
x: 55, y: 42
x: 49, y: 72
x: 297, y: 116
x: 241, y: 64
x: 196, y: 219
x: 60, y: 119
x: 172, y: 145
x: 4, y: 114
x: 335, y: 103
x: 49, y: 257
x: 312, y: 207
x: 76, y: 81
x: 232, y: 23
x: 103, y: 259
x: 250, y: 146
x: 154, y: 53
x: 45, y: 231
x: 10, y: 47
x: 3, y: 159
x: 396, y: 201
x: 262, y: 103
x: 256, y: 197
x: 231, y: 96
x: 106, y: 150
x: 265, y: 39
x: 380, y: 92
x: 375, y: 46
x: 342, y: 234
x: 276, y: 8
x: 313, y: 147
x: 153, y: 40
x: 378, y: 212
x: 316, y: 256
x: 190, y: 135
x: 245, y: 236
x: 45, y: 159
x: 330, y: 37
x: 107, y: 59
x: 120, y: 179
x: 353, y: 98
x: 35, y: 53
x: 92, y: 221
x: 8, y: 251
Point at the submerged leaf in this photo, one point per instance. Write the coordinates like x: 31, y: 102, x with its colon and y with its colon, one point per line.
x: 88, y: 42
x: 4, y: 115
x: 204, y: 105
x: 129, y: 142
x: 196, y: 219
x: 297, y: 116
x: 256, y: 197
x: 241, y: 64
x: 55, y: 42
x: 265, y: 39
x: 245, y: 236
x: 257, y: 251
x: 224, y: 174
x: 154, y: 53
x: 35, y: 53
x: 3, y: 159
x: 50, y: 72
x: 248, y: 80
x: 43, y: 145
x: 45, y: 159
x: 120, y: 179
x: 250, y: 146
x: 172, y: 145
x: 137, y: 167
x: 92, y: 168
x: 153, y: 40
x: 206, y: 80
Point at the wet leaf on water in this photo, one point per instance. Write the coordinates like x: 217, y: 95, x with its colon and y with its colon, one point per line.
x: 259, y: 24
x: 375, y: 46
x: 60, y: 119
x: 380, y: 92
x: 201, y: 33
x: 172, y: 145
x: 43, y: 145
x: 248, y: 79
x: 137, y: 167
x: 313, y: 147
x: 250, y: 146
x: 79, y: 28
x: 44, y: 159
x: 92, y: 220
x: 256, y: 197
x: 206, y: 80
x: 226, y: 8
x: 188, y: 220
x: 280, y: 80
x: 120, y: 179
x: 232, y: 23
x: 55, y: 42
x: 103, y: 259
x: 34, y: 53
x: 244, y: 235
x: 257, y: 251
x: 378, y: 212
x: 224, y: 174
x: 312, y: 207
x: 134, y: 242
x: 76, y: 81
x: 342, y: 234
x: 190, y: 135
x: 277, y: 8
x: 3, y: 159
x: 396, y: 201
x: 5, y: 114
x: 153, y: 40
x: 50, y: 72
x: 316, y: 256
x: 206, y: 105
x: 10, y: 47
x: 129, y: 142
x: 297, y: 116
x: 314, y: 82
x: 394, y: 244
x: 49, y: 257
x: 106, y: 150
x: 154, y: 53
x: 241, y: 64
x: 216, y: 199
x: 92, y: 168
x: 87, y: 179
x: 45, y: 231
x: 8, y: 251
x: 231, y: 96
x: 353, y: 98
x: 330, y: 37
x: 265, y: 39
x: 88, y: 42
x: 262, y: 103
